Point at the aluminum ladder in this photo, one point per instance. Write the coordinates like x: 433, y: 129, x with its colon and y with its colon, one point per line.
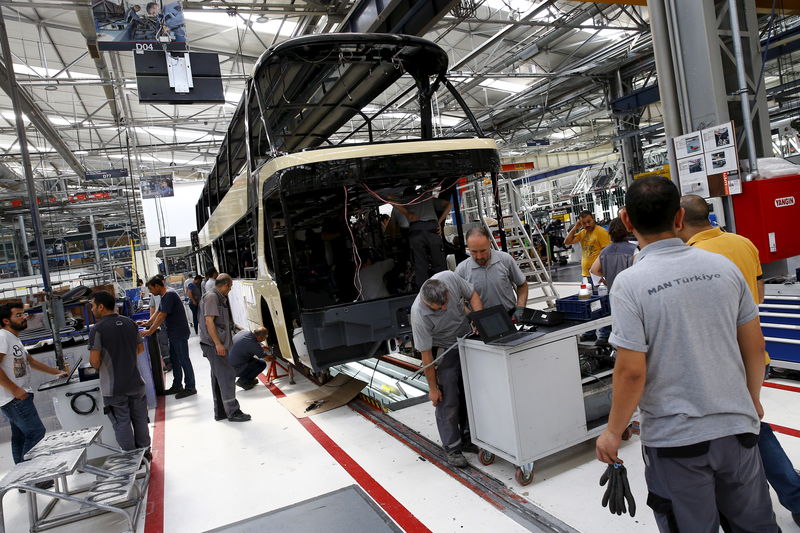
x: 477, y: 203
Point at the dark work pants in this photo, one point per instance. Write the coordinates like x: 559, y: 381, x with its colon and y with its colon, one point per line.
x: 193, y: 308
x: 181, y: 364
x: 689, y: 493
x: 223, y: 382
x: 128, y: 415
x: 451, y: 413
x: 249, y: 371
x: 779, y: 469
x: 426, y: 248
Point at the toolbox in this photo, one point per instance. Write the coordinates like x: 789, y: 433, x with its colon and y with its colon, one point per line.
x: 590, y: 308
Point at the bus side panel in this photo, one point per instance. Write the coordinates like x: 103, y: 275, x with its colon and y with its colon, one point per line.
x: 245, y: 298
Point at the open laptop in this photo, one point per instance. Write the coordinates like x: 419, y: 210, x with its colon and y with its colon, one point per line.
x: 61, y: 381
x: 495, y: 327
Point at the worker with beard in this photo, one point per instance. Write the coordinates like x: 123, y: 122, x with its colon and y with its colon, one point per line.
x: 494, y: 274
x: 16, y: 394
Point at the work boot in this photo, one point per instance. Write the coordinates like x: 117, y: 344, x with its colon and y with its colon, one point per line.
x: 239, y: 416
x: 184, y: 393
x: 175, y: 389
x: 456, y: 458
x: 588, y: 336
x: 246, y: 385
x: 469, y: 447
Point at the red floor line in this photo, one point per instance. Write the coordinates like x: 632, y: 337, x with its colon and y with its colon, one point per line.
x: 438, y: 464
x: 404, y: 518
x: 781, y: 387
x: 785, y: 430
x: 154, y: 517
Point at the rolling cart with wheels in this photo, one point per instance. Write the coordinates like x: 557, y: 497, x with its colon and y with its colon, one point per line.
x: 529, y: 401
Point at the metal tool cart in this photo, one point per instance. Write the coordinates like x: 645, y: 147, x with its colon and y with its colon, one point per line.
x: 780, y: 322
x: 529, y: 401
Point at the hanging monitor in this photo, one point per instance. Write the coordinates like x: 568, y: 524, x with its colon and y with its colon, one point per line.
x: 178, y: 78
x: 139, y: 25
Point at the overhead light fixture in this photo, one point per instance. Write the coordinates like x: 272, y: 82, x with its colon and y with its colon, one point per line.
x: 262, y: 19
x: 51, y: 87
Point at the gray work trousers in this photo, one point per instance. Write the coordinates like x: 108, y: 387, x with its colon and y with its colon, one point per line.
x: 128, y: 415
x: 426, y: 248
x: 688, y: 494
x: 223, y: 382
x: 451, y: 413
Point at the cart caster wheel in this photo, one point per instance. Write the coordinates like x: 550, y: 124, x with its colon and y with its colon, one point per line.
x: 522, y: 478
x: 486, y: 458
x: 626, y: 435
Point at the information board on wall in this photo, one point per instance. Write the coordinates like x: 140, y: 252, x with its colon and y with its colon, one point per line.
x: 708, y: 164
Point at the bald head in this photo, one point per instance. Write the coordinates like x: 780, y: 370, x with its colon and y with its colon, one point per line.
x: 261, y: 334
x: 223, y: 279
x: 697, y: 211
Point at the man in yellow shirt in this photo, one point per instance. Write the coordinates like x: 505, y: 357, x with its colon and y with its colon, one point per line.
x: 697, y: 231
x: 591, y: 237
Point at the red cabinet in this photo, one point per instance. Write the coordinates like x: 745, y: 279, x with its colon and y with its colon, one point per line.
x: 768, y: 213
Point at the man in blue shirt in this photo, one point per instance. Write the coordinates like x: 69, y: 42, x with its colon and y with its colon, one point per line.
x: 247, y: 355
x: 172, y: 314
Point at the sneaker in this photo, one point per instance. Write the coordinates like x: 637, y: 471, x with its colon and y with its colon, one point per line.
x: 469, y: 447
x: 588, y: 336
x: 239, y: 416
x: 185, y: 393
x: 218, y: 417
x: 174, y: 389
x: 456, y: 458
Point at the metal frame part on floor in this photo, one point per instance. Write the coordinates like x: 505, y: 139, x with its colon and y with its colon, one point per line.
x: 487, y: 487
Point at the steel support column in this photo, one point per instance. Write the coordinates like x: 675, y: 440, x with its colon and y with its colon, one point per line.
x: 696, y: 60
x: 13, y: 91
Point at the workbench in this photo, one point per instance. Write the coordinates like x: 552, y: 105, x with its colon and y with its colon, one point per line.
x: 529, y: 401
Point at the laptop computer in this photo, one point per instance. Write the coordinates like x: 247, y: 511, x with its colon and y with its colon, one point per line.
x: 53, y: 383
x: 495, y: 327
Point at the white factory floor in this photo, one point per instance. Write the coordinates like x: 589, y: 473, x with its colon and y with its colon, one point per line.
x: 207, y: 474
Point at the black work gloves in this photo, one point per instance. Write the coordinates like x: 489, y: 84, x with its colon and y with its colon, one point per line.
x: 618, y: 490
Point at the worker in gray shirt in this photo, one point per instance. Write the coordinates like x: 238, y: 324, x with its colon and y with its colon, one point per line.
x: 438, y: 318
x: 494, y: 273
x: 425, y: 234
x: 698, y: 388
x: 216, y: 341
x: 114, y: 344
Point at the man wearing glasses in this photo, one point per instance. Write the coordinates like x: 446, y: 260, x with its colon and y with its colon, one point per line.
x: 16, y: 394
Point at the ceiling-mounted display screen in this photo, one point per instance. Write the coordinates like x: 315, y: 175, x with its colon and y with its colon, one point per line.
x: 137, y: 25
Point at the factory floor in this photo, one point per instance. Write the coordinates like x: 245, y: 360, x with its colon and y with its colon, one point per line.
x: 209, y: 474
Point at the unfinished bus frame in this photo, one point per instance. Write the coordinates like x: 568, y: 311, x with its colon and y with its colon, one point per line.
x: 292, y: 221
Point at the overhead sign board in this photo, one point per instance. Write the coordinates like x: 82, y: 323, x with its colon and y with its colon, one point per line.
x: 538, y: 142
x: 107, y: 174
x: 169, y: 242
x: 140, y: 26
x: 516, y: 166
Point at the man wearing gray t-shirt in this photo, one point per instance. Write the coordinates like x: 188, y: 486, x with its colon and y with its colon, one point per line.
x: 698, y: 388
x: 438, y: 318
x: 495, y: 275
